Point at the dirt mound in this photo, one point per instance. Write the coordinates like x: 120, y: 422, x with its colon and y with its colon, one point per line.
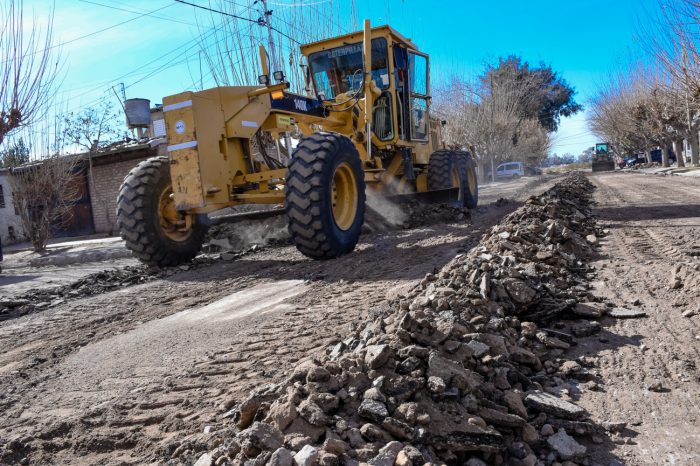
x: 455, y: 372
x: 90, y: 285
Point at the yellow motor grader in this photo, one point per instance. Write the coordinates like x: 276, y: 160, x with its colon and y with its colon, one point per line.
x: 366, y: 128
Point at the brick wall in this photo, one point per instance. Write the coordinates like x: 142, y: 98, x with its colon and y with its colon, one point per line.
x: 104, y: 189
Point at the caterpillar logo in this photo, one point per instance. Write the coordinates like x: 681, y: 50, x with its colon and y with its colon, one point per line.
x: 301, y: 105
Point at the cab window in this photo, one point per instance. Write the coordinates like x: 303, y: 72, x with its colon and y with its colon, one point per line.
x: 418, y: 72
x: 339, y: 70
x: 418, y: 86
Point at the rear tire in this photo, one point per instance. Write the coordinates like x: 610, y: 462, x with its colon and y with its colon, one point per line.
x: 454, y: 169
x: 325, y: 196
x: 140, y: 208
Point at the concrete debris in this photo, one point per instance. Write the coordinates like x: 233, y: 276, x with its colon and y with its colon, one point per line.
x: 458, y: 370
x: 566, y: 447
x: 307, y: 456
x: 550, y: 404
x: 622, y: 313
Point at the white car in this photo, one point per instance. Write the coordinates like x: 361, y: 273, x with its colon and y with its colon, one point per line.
x: 510, y: 170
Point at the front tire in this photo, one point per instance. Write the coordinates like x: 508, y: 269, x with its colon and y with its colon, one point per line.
x: 325, y: 196
x: 146, y: 215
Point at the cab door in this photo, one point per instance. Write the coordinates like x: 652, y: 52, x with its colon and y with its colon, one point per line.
x: 419, y: 91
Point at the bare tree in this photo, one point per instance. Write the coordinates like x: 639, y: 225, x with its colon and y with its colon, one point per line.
x: 45, y: 189
x: 672, y: 39
x: 487, y: 119
x: 617, y: 114
x: 640, y: 109
x: 92, y: 130
x: 229, y: 48
x: 28, y: 68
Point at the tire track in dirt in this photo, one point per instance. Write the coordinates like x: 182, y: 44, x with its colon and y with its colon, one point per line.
x: 647, y: 217
x: 146, y: 413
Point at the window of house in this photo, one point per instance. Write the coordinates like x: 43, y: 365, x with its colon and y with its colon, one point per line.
x: 2, y: 198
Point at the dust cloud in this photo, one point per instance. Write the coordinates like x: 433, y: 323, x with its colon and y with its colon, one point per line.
x: 383, y: 211
x: 244, y: 235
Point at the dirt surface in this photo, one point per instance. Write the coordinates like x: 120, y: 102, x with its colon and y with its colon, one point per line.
x: 648, y: 368
x: 63, y: 263
x: 124, y: 376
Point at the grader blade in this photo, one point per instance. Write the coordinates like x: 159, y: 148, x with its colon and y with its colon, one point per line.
x: 438, y: 196
x: 243, y: 216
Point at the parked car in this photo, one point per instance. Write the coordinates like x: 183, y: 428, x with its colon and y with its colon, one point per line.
x: 514, y: 170
x: 633, y: 160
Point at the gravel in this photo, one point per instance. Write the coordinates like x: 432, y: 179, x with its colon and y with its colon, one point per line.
x: 458, y: 370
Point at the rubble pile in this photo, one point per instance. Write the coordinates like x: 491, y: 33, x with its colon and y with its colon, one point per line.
x: 96, y: 283
x: 456, y: 372
x: 639, y: 166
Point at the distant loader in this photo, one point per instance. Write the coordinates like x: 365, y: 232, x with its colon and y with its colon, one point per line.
x: 603, y: 158
x: 367, y: 132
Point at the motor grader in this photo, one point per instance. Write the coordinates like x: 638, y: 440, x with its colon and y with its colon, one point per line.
x: 367, y: 131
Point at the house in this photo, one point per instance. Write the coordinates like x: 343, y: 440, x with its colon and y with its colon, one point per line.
x: 106, y: 171
x: 98, y: 177
x: 10, y: 224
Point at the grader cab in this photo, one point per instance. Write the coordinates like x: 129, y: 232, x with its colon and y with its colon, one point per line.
x: 367, y: 131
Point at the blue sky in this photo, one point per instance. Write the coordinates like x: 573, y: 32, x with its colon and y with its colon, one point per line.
x: 156, y: 55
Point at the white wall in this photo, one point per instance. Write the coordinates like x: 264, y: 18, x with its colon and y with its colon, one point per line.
x: 7, y: 214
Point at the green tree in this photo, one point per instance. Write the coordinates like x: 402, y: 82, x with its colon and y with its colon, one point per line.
x: 549, y: 96
x: 16, y: 154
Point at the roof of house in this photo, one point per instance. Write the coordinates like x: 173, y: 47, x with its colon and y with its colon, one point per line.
x: 115, y: 152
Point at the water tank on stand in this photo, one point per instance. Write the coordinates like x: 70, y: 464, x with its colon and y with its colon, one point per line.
x: 138, y: 114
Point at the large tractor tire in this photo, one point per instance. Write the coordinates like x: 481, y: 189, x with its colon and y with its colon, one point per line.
x: 153, y: 230
x: 325, y: 196
x: 454, y: 169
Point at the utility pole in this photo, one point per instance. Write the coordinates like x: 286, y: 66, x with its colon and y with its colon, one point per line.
x: 270, y: 39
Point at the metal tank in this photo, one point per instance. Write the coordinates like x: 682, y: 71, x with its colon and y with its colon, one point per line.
x: 138, y: 113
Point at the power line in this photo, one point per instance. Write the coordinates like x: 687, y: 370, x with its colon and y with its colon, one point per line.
x: 218, y: 11
x: 260, y: 21
x: 159, y: 68
x: 99, y: 31
x: 165, y: 18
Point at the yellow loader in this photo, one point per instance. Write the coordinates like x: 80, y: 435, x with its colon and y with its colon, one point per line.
x: 367, y: 132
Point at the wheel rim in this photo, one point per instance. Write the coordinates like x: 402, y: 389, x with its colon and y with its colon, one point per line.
x: 456, y: 182
x: 471, y: 179
x: 344, y: 196
x: 172, y: 222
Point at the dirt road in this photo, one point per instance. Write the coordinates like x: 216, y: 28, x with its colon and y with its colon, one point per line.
x: 648, y: 369
x: 129, y: 376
